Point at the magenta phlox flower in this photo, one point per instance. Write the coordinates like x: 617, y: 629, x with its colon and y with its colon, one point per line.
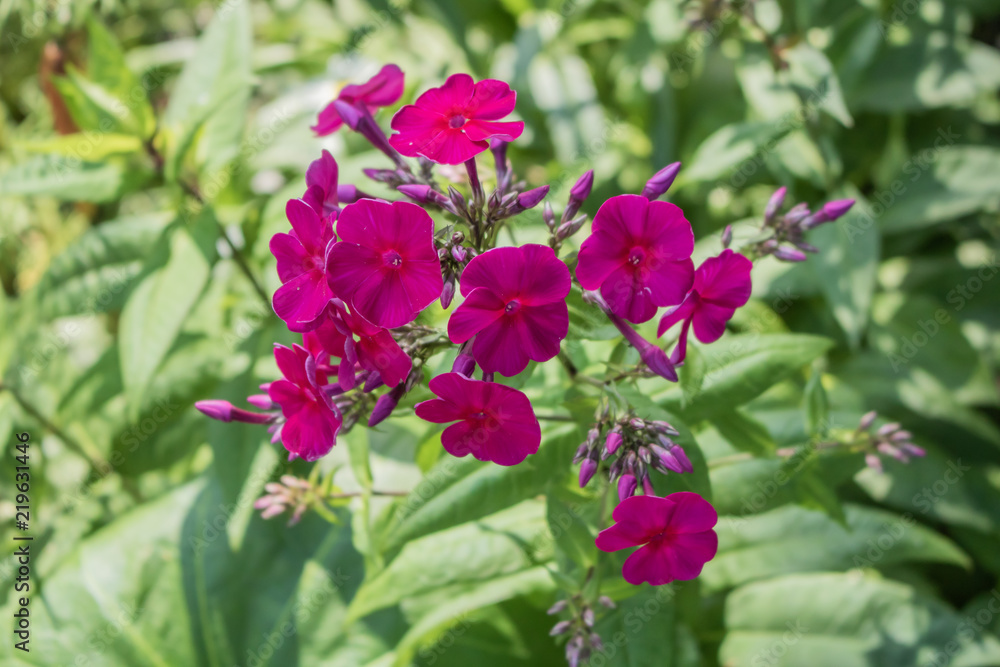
x: 455, y: 122
x: 321, y: 185
x: 301, y: 261
x: 721, y: 285
x: 311, y: 418
x: 495, y: 422
x: 515, y: 306
x: 382, y: 90
x: 639, y: 255
x: 385, y: 266
x: 675, y: 535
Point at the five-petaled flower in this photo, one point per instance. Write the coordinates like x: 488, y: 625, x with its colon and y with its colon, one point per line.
x: 675, y: 535
x: 455, y: 122
x: 721, y: 285
x: 385, y: 266
x: 302, y: 259
x: 381, y: 90
x: 639, y: 255
x: 311, y: 419
x: 495, y: 422
x: 515, y: 306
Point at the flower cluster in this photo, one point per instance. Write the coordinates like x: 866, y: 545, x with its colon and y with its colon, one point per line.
x: 357, y: 271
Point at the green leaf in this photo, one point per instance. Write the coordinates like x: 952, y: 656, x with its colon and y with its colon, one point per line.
x: 730, y: 147
x: 118, y: 599
x: 68, y: 179
x: 92, y: 146
x: 794, y: 539
x: 744, y: 432
x: 846, y: 620
x: 846, y: 268
x: 643, y: 632
x: 162, y: 297
x: 106, y: 67
x: 812, y: 73
x: 94, y: 273
x: 951, y: 182
x: 510, y: 541
x: 587, y: 321
x: 460, y: 490
x: 741, y: 367
x: 213, y: 90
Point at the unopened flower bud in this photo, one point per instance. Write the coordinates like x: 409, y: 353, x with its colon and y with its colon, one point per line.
x: 626, y: 486
x: 888, y: 429
x: 606, y: 602
x: 727, y: 236
x: 558, y: 607
x: 774, y: 203
x: 464, y: 364
x: 548, y: 216
x: 348, y: 194
x: 448, y: 292
x: 581, y: 453
x: 901, y: 436
x: 661, y: 181
x: 790, y: 255
x: 682, y: 458
x: 874, y: 462
x: 560, y: 628
x: 797, y: 214
x: 459, y: 253
x: 588, y: 617
x: 587, y: 470
x: 384, y: 406
x: 867, y: 420
x: 837, y: 208
x: 913, y: 450
x: 381, y: 175
x: 570, y: 227
x: 613, y: 441
x: 578, y: 194
x: 456, y: 198
x: 227, y: 412
x: 529, y: 199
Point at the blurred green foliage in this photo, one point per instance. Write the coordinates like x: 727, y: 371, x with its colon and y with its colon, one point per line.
x: 147, y: 145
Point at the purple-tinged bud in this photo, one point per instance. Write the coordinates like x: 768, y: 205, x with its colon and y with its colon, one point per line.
x: 664, y: 427
x: 227, y: 412
x: 613, y: 441
x: 459, y: 253
x: 606, y: 602
x: 647, y: 486
x: 668, y: 460
x: 727, y: 236
x: 682, y: 458
x: 558, y: 607
x: 456, y: 198
x: 548, y: 216
x: 774, y: 204
x: 617, y: 466
x: 807, y: 247
x: 381, y: 175
x: 644, y: 454
x: 588, y: 617
x: 901, y: 436
x: 894, y: 452
x: 348, y: 194
x: 581, y: 189
x: 570, y: 227
x: 587, y: 470
x: 627, y: 485
x: 652, y: 355
x: 560, y: 628
x: 573, y: 648
x: 913, y: 450
x: 418, y: 193
x: 384, y: 406
x: 581, y: 453
x: 596, y: 641
x: 272, y: 511
x: 349, y: 113
x: 888, y: 429
x: 867, y: 420
x: 373, y: 382
x: 814, y: 220
x: 464, y: 364
x: 637, y: 424
x: 529, y: 199
x: 499, y: 149
x: 448, y: 292
x: 837, y: 208
x: 790, y: 255
x: 874, y: 462
x: 797, y: 214
x: 661, y: 181
x: 262, y: 401
x: 578, y: 194
x: 457, y: 237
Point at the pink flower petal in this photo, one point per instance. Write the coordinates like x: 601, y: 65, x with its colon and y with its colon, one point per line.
x: 669, y: 233
x: 668, y: 282
x: 710, y: 321
x: 382, y: 300
x: 627, y: 296
x: 291, y: 256
x: 452, y: 97
x: 620, y: 536
x: 302, y: 300
x: 542, y: 329
x: 624, y: 218
x: 692, y: 514
x: 600, y: 255
x: 479, y: 130
x: 438, y: 411
x: 648, y: 564
x: 498, y: 270
x: 492, y: 100
x: 677, y: 314
x: 311, y: 432
x: 328, y: 122
x: 381, y: 90
x: 498, y: 348
x: 544, y: 278
x: 308, y: 226
x: 480, y: 309
x: 725, y: 280
x: 288, y: 395
x: 382, y: 353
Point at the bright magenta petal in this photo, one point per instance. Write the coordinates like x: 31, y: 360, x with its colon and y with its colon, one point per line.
x: 627, y: 296
x: 542, y: 329
x: 438, y: 411
x: 480, y: 309
x: 692, y: 514
x: 291, y: 256
x: 479, y: 130
x: 498, y: 348
x: 600, y: 255
x: 668, y: 231
x: 302, y: 300
x: 308, y: 226
x: 382, y: 353
x: 669, y: 282
x: 311, y: 432
x: 677, y: 314
x: 545, y: 278
x: 382, y: 300
x: 492, y: 100
x: 710, y: 321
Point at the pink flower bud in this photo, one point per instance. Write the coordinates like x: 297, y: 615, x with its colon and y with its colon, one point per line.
x: 790, y: 255
x: 774, y: 203
x: 613, y: 441
x: 661, y: 181
x: 627, y: 485
x: 837, y: 208
x: 587, y: 470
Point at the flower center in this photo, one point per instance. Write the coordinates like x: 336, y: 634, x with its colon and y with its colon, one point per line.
x: 456, y: 121
x: 636, y: 255
x: 512, y: 306
x: 392, y: 259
